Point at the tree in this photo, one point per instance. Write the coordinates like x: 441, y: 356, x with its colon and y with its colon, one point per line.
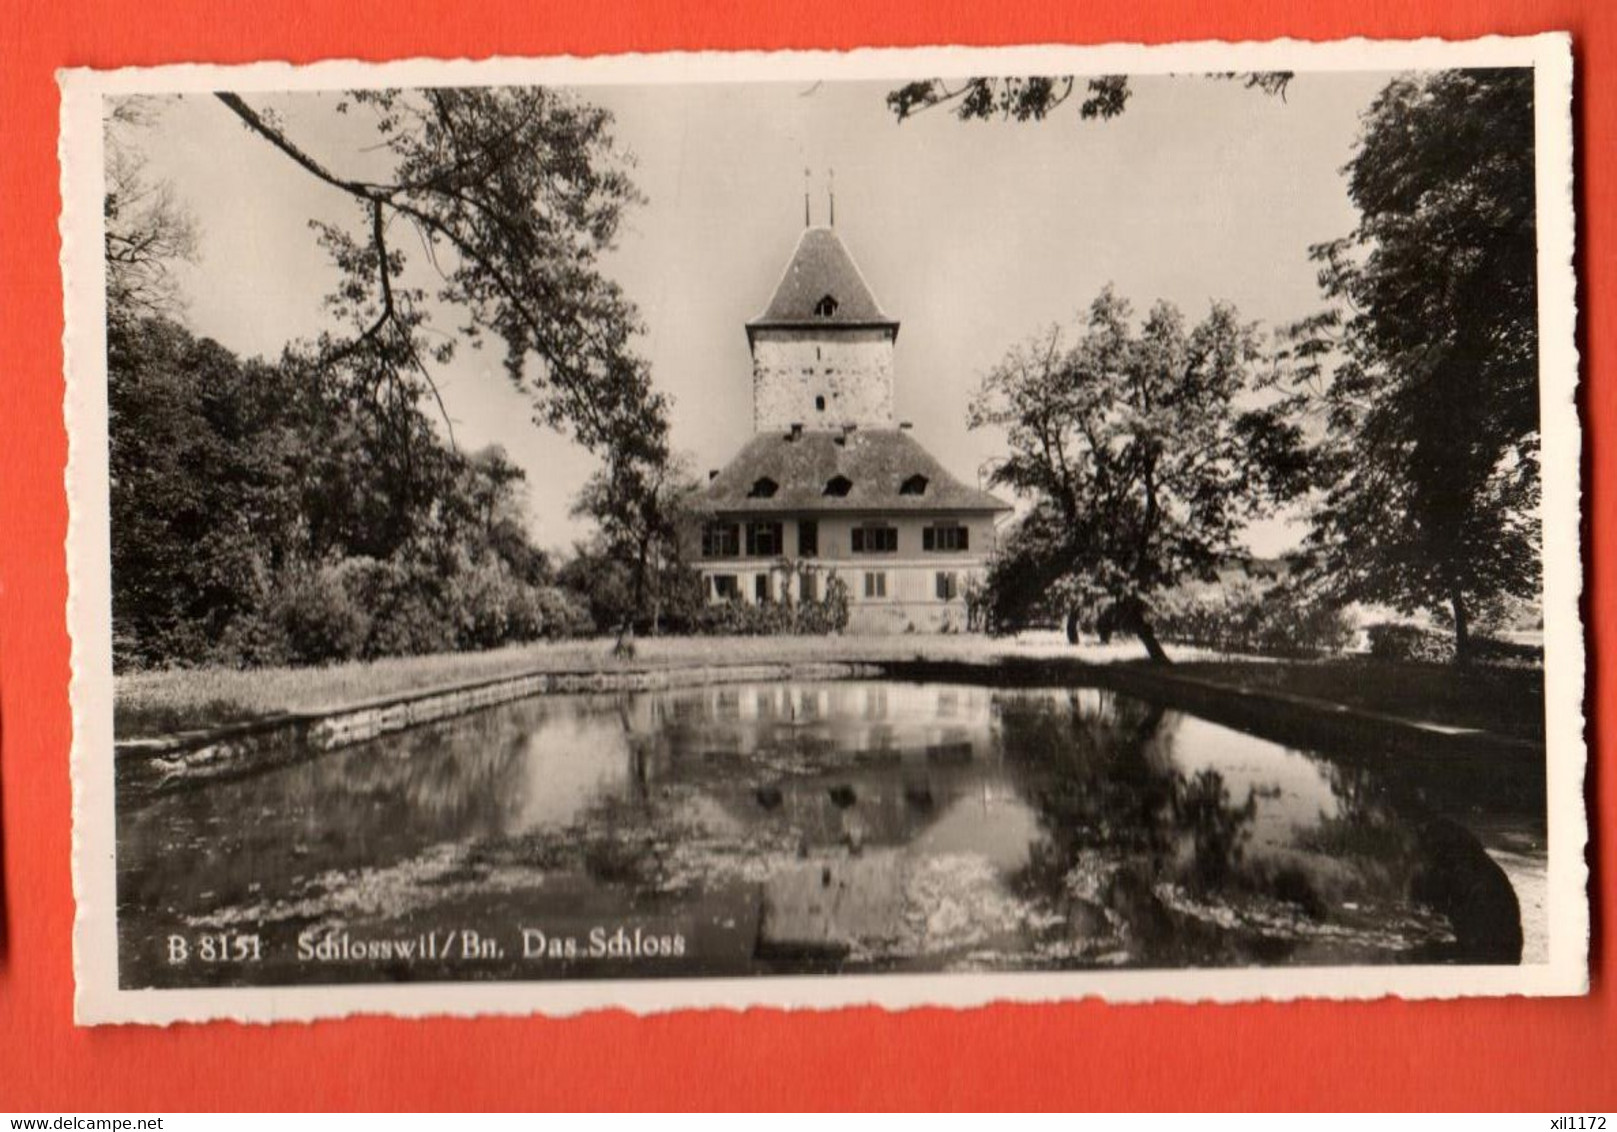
x: 1424, y: 368
x: 1136, y: 448
x: 514, y: 194
x: 1035, y: 97
x: 206, y: 490
x: 643, y: 509
x: 145, y: 229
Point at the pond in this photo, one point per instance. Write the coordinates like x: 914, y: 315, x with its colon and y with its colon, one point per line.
x: 805, y: 827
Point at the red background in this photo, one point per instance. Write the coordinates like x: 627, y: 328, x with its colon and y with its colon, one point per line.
x: 1556, y: 1055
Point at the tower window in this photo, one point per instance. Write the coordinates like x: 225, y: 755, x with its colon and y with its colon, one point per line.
x: 819, y: 404
x: 826, y: 307
x: 915, y: 485
x: 838, y: 486
x: 763, y: 488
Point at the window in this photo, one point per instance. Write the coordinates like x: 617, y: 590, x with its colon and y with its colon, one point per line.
x: 875, y: 584
x: 721, y: 540
x: 838, y: 486
x: 808, y: 538
x: 760, y: 588
x: 725, y: 587
x: 809, y: 587
x: 763, y: 488
x: 875, y: 540
x: 826, y: 307
x: 819, y: 404
x: 915, y: 485
x: 945, y: 536
x: 764, y: 540
x: 948, y: 585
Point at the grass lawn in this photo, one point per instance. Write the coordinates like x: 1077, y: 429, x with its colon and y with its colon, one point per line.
x: 1507, y: 701
x: 179, y: 699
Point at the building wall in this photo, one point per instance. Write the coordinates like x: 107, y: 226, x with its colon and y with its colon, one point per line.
x: 909, y: 574
x: 795, y: 371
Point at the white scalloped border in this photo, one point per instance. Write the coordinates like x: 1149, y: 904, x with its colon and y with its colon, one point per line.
x: 98, y: 999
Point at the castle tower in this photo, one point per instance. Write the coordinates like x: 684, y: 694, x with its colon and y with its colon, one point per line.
x: 829, y: 487
x: 822, y: 351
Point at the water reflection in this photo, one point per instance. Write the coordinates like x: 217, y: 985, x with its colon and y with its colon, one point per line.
x: 821, y: 826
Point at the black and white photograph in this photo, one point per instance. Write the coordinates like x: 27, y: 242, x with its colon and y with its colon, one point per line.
x: 904, y: 527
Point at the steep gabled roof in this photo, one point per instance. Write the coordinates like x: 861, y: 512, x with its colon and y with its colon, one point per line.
x: 875, y: 461
x: 820, y: 267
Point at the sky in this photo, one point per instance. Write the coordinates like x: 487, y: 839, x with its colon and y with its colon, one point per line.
x: 974, y: 235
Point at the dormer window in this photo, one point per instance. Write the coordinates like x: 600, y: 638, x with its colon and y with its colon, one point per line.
x: 763, y: 488
x: 915, y: 485
x: 838, y: 486
x: 826, y: 307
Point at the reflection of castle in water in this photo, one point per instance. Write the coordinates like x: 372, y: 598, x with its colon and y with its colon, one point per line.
x: 857, y: 763
x: 1125, y: 825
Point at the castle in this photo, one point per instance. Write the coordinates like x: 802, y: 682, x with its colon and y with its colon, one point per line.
x: 831, y: 484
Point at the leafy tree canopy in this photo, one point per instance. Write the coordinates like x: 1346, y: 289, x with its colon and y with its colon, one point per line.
x: 1424, y: 367
x: 1144, y: 450
x: 514, y: 194
x: 1034, y: 97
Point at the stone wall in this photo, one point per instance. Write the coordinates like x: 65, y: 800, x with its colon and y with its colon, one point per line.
x: 147, y: 768
x: 822, y: 379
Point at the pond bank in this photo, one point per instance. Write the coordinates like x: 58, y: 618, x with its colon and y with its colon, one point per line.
x: 147, y: 767
x: 156, y: 764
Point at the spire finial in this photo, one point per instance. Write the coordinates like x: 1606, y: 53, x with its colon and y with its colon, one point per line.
x: 805, y: 197
x: 831, y: 191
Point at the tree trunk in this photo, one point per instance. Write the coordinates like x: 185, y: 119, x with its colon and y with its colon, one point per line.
x: 1072, y: 626
x: 1462, y: 627
x: 1132, y: 616
x: 1148, y: 638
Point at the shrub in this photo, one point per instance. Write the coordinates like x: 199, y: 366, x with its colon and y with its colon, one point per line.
x: 1493, y: 650
x: 1404, y: 642
x: 407, y: 603
x: 313, y: 617
x: 1391, y: 640
x: 563, y: 614
x: 821, y: 617
x: 493, y: 607
x: 1241, y: 618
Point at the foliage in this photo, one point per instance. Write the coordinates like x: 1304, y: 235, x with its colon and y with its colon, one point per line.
x: 789, y: 617
x: 1035, y: 97
x: 257, y: 519
x: 1423, y: 370
x: 1144, y: 451
x: 515, y: 193
x: 563, y: 614
x: 307, y: 510
x: 1397, y: 641
x: 1242, y: 617
x: 643, y: 505
x: 145, y: 228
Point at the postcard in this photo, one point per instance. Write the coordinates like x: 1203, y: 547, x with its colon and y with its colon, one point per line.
x: 902, y: 527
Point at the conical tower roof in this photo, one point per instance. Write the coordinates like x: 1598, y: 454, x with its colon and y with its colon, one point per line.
x: 822, y: 286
